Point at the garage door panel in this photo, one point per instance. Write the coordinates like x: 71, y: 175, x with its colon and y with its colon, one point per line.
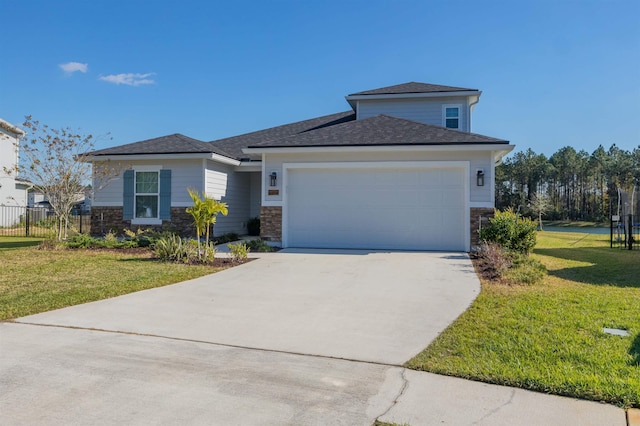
x: 417, y: 208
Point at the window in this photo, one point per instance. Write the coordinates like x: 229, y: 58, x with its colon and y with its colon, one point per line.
x: 146, y: 195
x: 451, y: 117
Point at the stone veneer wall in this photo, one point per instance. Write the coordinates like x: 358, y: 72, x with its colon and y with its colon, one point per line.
x: 109, y: 219
x: 271, y: 223
x: 477, y: 214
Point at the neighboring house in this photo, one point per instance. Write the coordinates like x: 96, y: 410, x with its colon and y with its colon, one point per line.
x: 13, y: 190
x: 401, y: 170
x: 36, y: 198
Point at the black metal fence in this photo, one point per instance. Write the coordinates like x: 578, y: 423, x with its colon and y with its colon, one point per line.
x: 16, y: 221
x: 625, y: 232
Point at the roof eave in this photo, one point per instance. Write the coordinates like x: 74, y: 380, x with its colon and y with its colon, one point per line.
x: 467, y: 146
x: 164, y: 156
x: 352, y: 98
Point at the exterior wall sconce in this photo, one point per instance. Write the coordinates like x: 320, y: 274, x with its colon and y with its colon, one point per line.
x: 480, y: 177
x: 273, y: 179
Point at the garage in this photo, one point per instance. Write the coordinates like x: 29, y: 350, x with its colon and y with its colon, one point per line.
x: 408, y: 206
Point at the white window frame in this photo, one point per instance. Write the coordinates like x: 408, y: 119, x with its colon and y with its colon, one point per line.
x: 444, y: 116
x: 145, y: 220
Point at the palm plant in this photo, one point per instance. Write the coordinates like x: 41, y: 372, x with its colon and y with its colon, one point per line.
x: 204, y: 212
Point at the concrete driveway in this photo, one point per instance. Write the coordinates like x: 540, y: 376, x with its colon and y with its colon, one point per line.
x: 258, y: 345
x: 379, y: 307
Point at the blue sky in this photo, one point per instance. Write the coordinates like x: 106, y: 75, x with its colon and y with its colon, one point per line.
x: 553, y: 73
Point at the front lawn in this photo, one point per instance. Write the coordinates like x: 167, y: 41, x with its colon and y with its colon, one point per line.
x: 549, y: 337
x: 33, y: 280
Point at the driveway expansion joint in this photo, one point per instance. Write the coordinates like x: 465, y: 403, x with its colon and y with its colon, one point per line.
x: 226, y: 345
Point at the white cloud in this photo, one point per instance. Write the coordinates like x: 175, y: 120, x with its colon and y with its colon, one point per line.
x: 71, y: 67
x: 130, y: 79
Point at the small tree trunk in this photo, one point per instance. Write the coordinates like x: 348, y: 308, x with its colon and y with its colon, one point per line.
x: 540, y: 219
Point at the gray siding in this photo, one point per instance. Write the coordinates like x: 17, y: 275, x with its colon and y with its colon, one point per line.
x: 427, y: 111
x: 255, y: 179
x: 233, y: 188
x: 184, y: 174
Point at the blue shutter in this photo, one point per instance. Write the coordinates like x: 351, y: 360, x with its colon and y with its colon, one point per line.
x: 127, y: 195
x: 165, y: 194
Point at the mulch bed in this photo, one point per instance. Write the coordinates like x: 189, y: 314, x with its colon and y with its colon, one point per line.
x: 485, y: 270
x: 219, y: 262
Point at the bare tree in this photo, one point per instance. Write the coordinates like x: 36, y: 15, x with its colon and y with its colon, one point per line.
x: 540, y: 204
x: 54, y: 161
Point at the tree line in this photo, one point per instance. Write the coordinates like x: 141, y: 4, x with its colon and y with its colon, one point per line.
x: 570, y: 184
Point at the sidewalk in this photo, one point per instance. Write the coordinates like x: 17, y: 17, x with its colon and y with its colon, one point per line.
x: 430, y: 399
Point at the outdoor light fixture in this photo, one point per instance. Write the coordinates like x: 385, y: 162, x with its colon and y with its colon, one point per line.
x: 480, y: 177
x: 273, y: 179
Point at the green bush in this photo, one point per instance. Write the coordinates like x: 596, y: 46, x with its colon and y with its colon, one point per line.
x: 239, y: 251
x: 227, y: 238
x: 258, y: 246
x: 511, y: 231
x: 253, y: 226
x: 81, y: 241
x: 171, y: 248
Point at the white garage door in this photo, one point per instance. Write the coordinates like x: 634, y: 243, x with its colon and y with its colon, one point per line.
x: 376, y: 208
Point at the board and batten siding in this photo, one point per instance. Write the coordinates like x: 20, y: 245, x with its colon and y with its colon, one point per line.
x: 427, y: 111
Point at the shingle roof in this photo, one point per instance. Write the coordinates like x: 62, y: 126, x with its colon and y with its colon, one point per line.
x: 412, y: 87
x: 235, y: 144
x: 170, y: 144
x: 379, y: 130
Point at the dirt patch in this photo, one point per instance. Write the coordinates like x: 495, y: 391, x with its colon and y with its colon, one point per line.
x: 486, y: 270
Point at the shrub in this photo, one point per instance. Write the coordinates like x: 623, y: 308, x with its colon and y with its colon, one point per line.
x: 253, y: 226
x: 511, y: 231
x: 227, y: 238
x: 81, y: 241
x: 140, y: 237
x: 110, y: 240
x: 239, y: 251
x: 171, y: 248
x: 258, y: 246
x: 493, y: 260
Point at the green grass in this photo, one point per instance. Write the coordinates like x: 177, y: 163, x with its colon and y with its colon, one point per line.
x: 35, y: 280
x: 548, y: 337
x: 9, y: 243
x: 575, y: 224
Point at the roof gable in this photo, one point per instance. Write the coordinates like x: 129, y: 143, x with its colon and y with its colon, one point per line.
x: 170, y: 144
x: 379, y: 131
x: 412, y: 87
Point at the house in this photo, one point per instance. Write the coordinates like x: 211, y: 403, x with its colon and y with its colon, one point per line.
x: 37, y: 198
x: 13, y: 190
x: 399, y: 170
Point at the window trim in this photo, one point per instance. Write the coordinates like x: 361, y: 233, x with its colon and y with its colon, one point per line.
x: 444, y: 116
x: 146, y: 220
